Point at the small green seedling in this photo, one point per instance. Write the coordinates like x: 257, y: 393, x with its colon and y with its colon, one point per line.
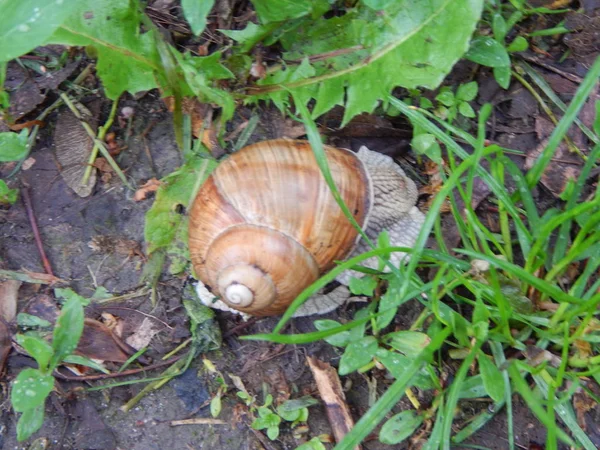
x: 494, y: 51
x: 8, y: 196
x: 32, y: 386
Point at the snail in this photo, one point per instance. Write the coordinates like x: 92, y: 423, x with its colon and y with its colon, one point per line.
x: 265, y: 225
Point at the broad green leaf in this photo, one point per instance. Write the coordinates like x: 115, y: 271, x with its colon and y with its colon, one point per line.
x: 363, y: 286
x: 7, y: 196
x: 195, y: 12
x: 472, y: 387
x: 215, y: 406
x: 163, y: 218
x: 30, y: 389
x: 273, y: 432
x: 294, y: 405
x: 397, y: 364
x: 399, y: 427
x: 411, y: 343
x: 412, y: 44
x: 38, y: 349
x: 128, y: 59
x: 466, y: 110
x: 313, y: 444
x: 358, y: 354
x: 467, y: 92
x: 499, y: 27
x: 502, y: 76
x: 378, y: 4
x: 67, y: 330
x: 426, y: 144
x: 488, y: 52
x: 270, y: 11
x: 13, y: 146
x: 267, y: 420
x: 249, y: 36
x: 340, y: 339
x: 446, y: 97
x: 493, y: 380
x: 520, y: 44
x: 26, y: 24
x: 30, y: 421
x: 70, y: 294
x: 29, y: 321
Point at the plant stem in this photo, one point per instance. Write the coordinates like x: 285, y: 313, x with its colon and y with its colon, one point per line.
x: 101, y: 135
x: 99, y: 143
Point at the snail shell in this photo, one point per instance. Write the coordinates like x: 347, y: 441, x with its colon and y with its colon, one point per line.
x: 265, y: 225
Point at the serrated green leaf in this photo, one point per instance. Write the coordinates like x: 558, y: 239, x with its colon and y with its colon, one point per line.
x: 30, y: 389
x: 13, y: 146
x: 488, y: 52
x: 340, y: 339
x: 412, y: 44
x: 467, y: 92
x: 502, y: 76
x: 127, y: 58
x: 7, y: 196
x: 357, y: 354
x: 163, y: 218
x: 411, y: 343
x: 195, y: 12
x: 30, y: 421
x: 400, y: 427
x: 466, y: 110
x: 26, y: 24
x: 38, y: 349
x: 492, y: 378
x: 67, y: 330
x: 520, y: 44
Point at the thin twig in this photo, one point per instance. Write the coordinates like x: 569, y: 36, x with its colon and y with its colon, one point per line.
x: 103, y: 376
x: 36, y: 232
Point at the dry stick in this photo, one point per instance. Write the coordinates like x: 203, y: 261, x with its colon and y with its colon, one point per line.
x: 101, y: 135
x: 197, y: 421
x: 103, y: 376
x: 330, y: 389
x: 36, y: 232
x: 100, y: 144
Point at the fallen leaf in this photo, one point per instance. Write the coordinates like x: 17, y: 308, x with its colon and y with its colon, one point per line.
x: 151, y: 185
x: 73, y: 148
x: 5, y: 345
x: 144, y: 334
x: 8, y: 299
x: 98, y: 342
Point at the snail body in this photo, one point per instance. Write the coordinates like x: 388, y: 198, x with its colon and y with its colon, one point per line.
x: 265, y: 225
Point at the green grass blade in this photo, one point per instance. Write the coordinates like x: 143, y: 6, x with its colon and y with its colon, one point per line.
x: 388, y: 400
x: 535, y: 173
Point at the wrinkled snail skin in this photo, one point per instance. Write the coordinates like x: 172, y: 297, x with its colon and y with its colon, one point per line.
x: 265, y: 225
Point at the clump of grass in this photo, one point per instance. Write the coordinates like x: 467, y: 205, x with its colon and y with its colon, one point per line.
x: 532, y: 283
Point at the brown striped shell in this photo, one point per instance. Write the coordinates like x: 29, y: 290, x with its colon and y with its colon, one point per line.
x: 265, y: 225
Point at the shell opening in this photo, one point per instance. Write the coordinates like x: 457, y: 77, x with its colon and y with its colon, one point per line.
x: 239, y: 295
